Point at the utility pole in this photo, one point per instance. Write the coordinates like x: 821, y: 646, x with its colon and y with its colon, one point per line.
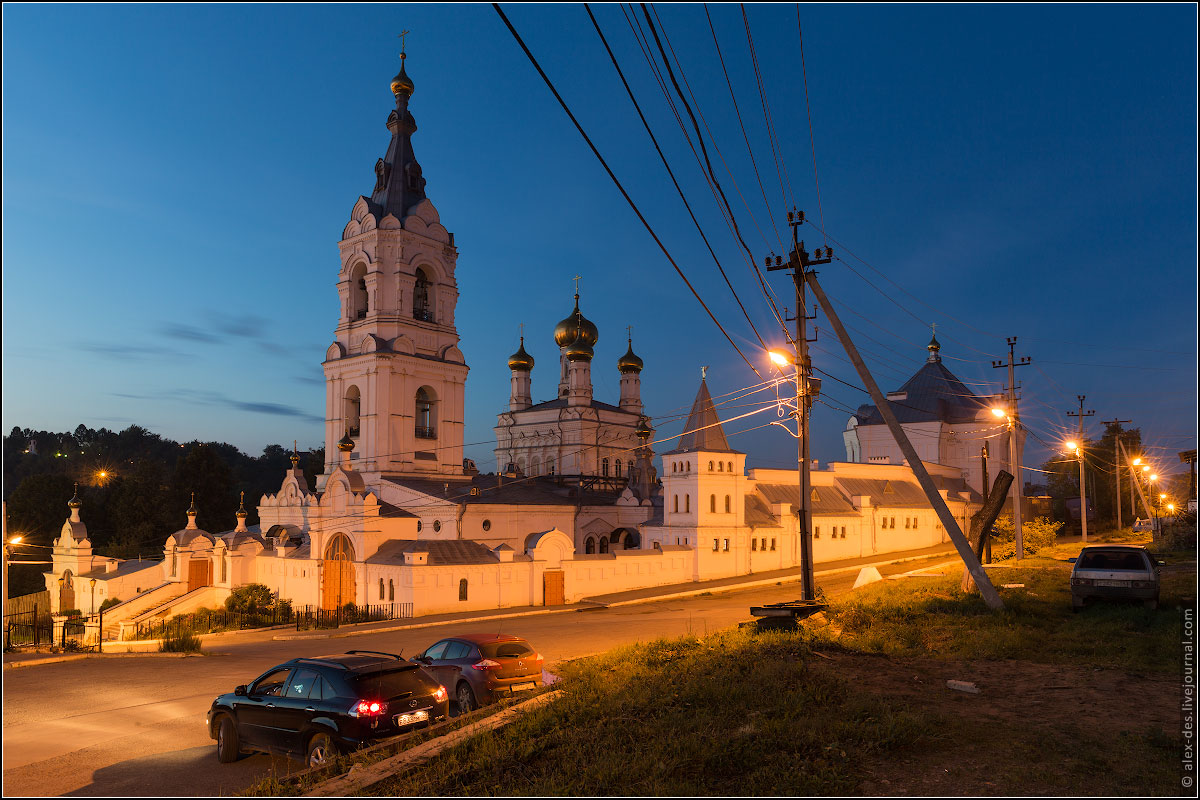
x: 1014, y: 441
x: 1082, y: 482
x: 1117, y: 463
x: 799, y: 262
x: 987, y: 540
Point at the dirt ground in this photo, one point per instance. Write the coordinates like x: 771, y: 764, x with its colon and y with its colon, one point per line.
x: 1031, y: 729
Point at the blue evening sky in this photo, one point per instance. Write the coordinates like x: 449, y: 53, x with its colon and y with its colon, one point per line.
x: 176, y: 179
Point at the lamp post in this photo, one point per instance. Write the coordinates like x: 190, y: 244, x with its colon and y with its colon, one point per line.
x: 1078, y: 450
x: 1018, y: 540
x: 805, y: 389
x: 7, y: 542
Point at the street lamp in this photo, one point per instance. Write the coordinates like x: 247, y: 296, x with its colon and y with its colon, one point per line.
x: 806, y: 387
x: 1001, y: 412
x: 1078, y: 450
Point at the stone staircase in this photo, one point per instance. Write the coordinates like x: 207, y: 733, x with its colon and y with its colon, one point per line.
x: 155, y: 597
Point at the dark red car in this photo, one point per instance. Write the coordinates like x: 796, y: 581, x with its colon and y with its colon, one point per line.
x: 478, y: 668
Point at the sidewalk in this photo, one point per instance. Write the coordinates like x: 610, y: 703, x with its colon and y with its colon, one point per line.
x: 635, y: 596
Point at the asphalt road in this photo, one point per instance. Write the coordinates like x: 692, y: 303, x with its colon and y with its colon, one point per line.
x: 136, y: 726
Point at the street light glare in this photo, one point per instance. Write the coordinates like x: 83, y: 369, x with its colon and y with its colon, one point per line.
x: 779, y: 358
x: 15, y: 540
x: 1072, y: 446
x: 1137, y: 461
x: 999, y: 412
x: 1153, y: 477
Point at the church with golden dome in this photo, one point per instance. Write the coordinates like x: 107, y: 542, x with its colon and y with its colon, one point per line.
x: 573, y: 433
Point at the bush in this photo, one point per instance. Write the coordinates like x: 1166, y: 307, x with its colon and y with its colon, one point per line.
x: 109, y: 603
x: 1035, y: 534
x: 1177, y: 534
x: 71, y: 612
x: 253, y: 598
x: 184, y: 643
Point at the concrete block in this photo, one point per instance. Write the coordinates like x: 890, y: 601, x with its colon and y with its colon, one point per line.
x: 867, y: 575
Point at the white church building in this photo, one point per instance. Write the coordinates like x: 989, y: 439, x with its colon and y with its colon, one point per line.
x: 577, y: 508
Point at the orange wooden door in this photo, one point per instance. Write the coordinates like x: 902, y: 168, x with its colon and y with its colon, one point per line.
x: 199, y: 573
x: 553, y: 588
x: 338, y: 584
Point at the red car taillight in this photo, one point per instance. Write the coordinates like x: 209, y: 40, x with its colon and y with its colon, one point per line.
x: 368, y: 708
x: 486, y: 663
x: 440, y: 694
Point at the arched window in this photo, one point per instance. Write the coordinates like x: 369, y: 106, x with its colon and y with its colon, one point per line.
x: 615, y: 539
x: 425, y: 428
x: 535, y: 465
x: 358, y: 292
x: 631, y: 467
x: 353, y: 410
x: 731, y: 466
x: 225, y: 569
x: 603, y: 544
x: 618, y: 465
x: 381, y: 588
x: 712, y: 504
x: 676, y: 504
x: 391, y: 591
x: 549, y: 466
x: 710, y: 466
x: 687, y: 504
x: 604, y: 467
x: 589, y: 546
x: 421, y: 306
x: 720, y: 466
x: 688, y: 467
x: 462, y: 589
x: 728, y: 508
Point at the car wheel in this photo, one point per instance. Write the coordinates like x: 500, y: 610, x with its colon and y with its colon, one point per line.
x: 466, y: 698
x: 227, y: 741
x: 321, y: 750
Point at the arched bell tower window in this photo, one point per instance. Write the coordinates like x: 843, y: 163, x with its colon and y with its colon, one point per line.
x: 421, y: 306
x: 353, y: 410
x: 425, y: 424
x: 358, y: 292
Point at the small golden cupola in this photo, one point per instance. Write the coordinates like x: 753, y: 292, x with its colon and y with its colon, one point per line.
x: 520, y: 360
x: 580, y: 349
x: 576, y: 327
x: 402, y: 84
x: 629, y: 362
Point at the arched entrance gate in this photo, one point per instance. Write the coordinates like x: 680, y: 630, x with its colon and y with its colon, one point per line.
x: 338, y: 584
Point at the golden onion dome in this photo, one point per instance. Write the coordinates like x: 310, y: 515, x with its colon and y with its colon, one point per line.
x: 75, y: 502
x: 629, y: 362
x: 345, y: 444
x: 402, y: 84
x: 576, y: 326
x: 579, y: 350
x: 241, y: 513
x: 521, y: 360
x: 192, y: 509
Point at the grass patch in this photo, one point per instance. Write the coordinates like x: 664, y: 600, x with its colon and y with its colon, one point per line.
x: 184, y: 643
x: 737, y: 713
x: 932, y: 617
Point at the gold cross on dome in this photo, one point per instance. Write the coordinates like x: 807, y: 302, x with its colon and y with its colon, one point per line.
x: 401, y: 38
x: 629, y: 330
x: 522, y: 326
x: 577, y: 279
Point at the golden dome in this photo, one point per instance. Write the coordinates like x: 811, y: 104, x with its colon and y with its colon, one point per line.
x: 402, y: 84
x: 241, y: 512
x: 580, y: 350
x: 521, y: 360
x: 576, y: 326
x: 75, y: 502
x: 345, y: 444
x: 629, y: 362
x: 192, y: 510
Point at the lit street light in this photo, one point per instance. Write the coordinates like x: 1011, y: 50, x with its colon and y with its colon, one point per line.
x: 1075, y: 448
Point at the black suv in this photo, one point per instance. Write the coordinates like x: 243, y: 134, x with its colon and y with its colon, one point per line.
x: 316, y: 707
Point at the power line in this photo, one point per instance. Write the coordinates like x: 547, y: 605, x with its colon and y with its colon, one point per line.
x: 614, y: 179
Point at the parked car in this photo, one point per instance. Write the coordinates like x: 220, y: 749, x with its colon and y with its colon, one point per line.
x: 481, y: 667
x: 1143, y: 525
x: 317, y: 707
x: 1114, y: 572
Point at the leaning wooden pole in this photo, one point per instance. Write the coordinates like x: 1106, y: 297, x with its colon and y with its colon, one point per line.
x: 986, y: 590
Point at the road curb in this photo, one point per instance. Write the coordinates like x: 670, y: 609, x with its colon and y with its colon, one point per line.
x: 37, y: 662
x: 340, y: 634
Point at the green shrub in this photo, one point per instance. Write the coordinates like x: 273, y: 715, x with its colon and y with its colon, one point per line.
x: 1179, y: 533
x: 253, y: 598
x: 71, y: 612
x: 184, y: 643
x: 109, y: 603
x: 1035, y: 535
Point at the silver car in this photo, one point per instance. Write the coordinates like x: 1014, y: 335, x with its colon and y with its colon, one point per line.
x: 1114, y: 572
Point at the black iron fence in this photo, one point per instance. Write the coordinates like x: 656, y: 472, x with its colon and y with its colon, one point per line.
x: 209, y: 621
x: 32, y: 628
x: 312, y: 617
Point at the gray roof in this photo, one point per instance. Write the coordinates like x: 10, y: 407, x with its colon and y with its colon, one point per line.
x: 442, y: 552
x: 399, y: 183
x: 123, y: 568
x: 935, y: 394
x: 829, y: 500
x: 900, y: 494
x: 542, y: 490
x: 758, y: 514
x: 561, y: 402
x: 703, y: 429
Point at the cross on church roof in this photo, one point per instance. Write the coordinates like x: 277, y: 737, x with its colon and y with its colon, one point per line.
x: 577, y: 279
x: 401, y: 38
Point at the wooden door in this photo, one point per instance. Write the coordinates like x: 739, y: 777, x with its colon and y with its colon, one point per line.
x: 553, y: 588
x: 199, y: 573
x: 66, y: 593
x: 338, y: 587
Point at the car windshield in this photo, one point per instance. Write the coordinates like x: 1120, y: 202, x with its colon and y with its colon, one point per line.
x: 506, y: 649
x: 389, y: 683
x: 1112, y: 560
